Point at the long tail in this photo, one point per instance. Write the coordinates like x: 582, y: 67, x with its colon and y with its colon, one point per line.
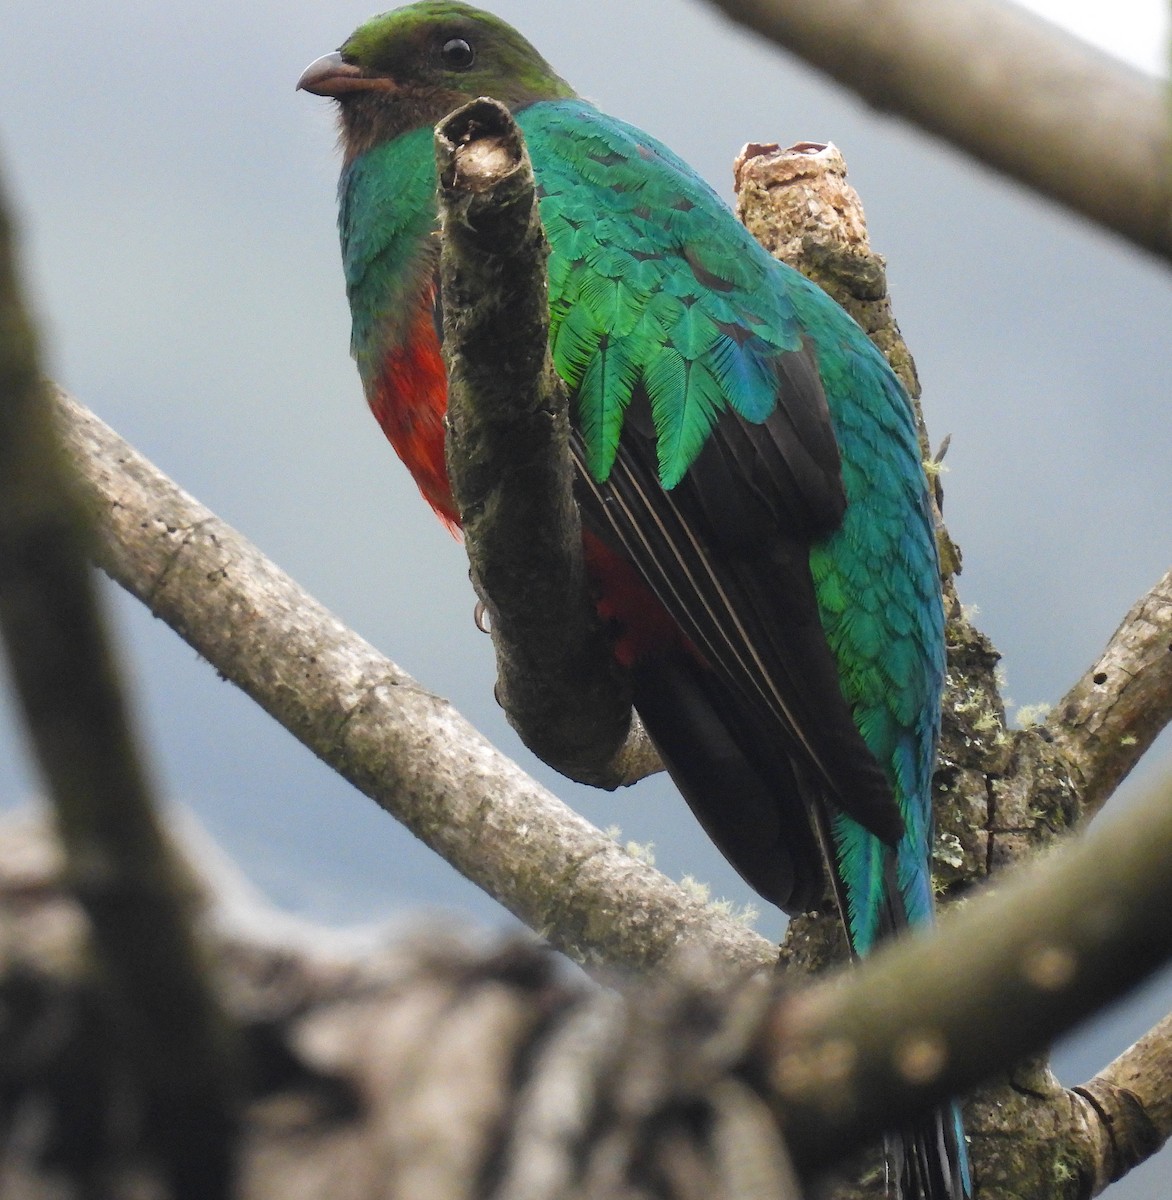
x: 929, y: 1159
x: 754, y: 804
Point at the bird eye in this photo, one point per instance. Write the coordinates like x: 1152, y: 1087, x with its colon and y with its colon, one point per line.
x: 457, y: 54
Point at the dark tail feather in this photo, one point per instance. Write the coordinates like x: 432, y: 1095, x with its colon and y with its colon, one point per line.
x: 928, y: 1159
x: 756, y: 803
x: 737, y: 780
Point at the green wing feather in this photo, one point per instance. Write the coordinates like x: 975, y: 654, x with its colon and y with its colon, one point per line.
x: 622, y: 214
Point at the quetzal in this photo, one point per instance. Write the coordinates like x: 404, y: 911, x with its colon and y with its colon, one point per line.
x: 757, y: 526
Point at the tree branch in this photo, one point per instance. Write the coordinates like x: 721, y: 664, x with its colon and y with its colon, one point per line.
x: 406, y: 749
x: 119, y: 866
x: 437, y: 1071
x: 1104, y: 725
x: 1129, y: 1105
x: 1012, y: 90
x: 509, y: 461
x: 438, y: 1066
x: 358, y: 711
x: 1000, y: 794
x: 798, y: 204
x: 996, y: 981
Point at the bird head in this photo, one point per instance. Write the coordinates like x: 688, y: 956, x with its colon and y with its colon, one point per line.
x: 411, y: 67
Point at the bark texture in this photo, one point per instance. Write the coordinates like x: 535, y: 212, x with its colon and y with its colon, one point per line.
x: 431, y: 1069
x: 1044, y: 948
x: 1001, y: 795
x: 439, y: 1069
x: 1130, y: 1105
x: 509, y: 461
x: 1103, y: 726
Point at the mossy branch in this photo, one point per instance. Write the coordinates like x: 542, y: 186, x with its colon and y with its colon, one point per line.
x: 935, y: 1014
x: 509, y: 461
x: 1000, y: 795
x: 399, y: 744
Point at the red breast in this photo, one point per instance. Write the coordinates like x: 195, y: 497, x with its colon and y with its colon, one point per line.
x: 409, y: 400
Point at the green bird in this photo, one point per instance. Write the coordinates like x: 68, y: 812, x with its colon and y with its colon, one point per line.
x: 758, y: 533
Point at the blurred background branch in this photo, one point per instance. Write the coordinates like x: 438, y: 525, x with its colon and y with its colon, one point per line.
x: 1014, y: 91
x: 169, y: 1031
x: 434, y: 1062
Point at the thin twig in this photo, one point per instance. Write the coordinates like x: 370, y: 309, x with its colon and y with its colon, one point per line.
x: 1104, y: 725
x: 1130, y: 1104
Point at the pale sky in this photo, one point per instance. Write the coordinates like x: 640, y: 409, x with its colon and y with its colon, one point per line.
x: 1134, y: 30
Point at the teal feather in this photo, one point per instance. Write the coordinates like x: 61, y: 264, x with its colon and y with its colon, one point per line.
x: 674, y: 333
x: 660, y: 299
x: 884, y: 627
x: 386, y: 213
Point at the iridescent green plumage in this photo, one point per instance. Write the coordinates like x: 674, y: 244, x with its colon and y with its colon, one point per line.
x: 623, y: 216
x: 656, y: 293
x: 742, y: 448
